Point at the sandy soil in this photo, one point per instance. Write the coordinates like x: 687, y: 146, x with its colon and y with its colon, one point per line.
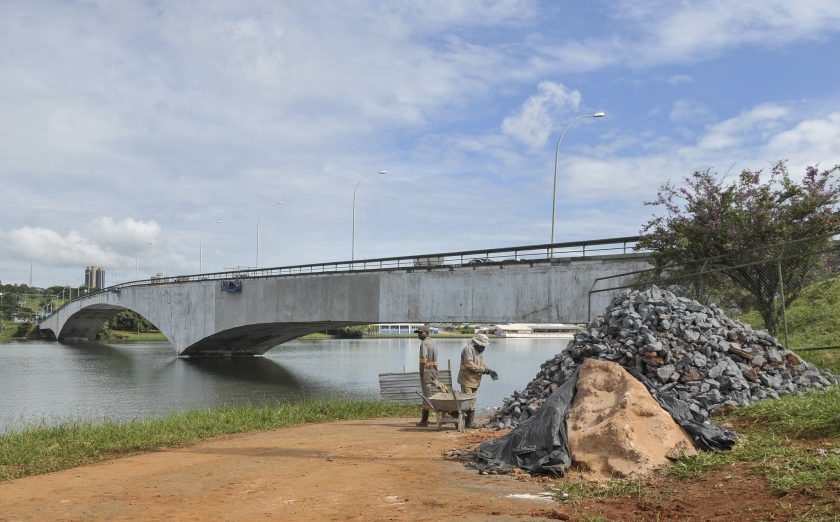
x: 315, y: 472
x: 330, y: 472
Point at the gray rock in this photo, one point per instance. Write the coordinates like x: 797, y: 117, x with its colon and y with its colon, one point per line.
x: 680, y: 343
x: 665, y: 372
x: 712, y: 396
x: 717, y: 370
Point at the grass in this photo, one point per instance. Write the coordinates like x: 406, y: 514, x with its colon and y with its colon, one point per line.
x: 793, y: 442
x: 414, y: 336
x: 778, y: 440
x: 813, y: 320
x: 43, y: 449
x: 316, y: 336
x: 572, y: 491
x: 319, y: 336
x: 811, y: 415
x: 9, y: 328
x: 122, y: 335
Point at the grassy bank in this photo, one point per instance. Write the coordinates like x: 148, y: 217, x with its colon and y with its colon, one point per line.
x: 10, y: 332
x: 414, y: 336
x: 318, y: 336
x: 813, y: 320
x: 792, y: 443
x: 42, y: 449
x: 778, y: 439
x: 120, y: 335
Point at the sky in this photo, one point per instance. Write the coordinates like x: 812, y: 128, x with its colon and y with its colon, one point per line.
x: 143, y: 136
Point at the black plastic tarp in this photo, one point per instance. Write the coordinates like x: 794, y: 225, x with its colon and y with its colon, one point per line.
x: 540, y: 444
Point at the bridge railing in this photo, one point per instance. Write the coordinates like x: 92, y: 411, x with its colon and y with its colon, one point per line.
x: 544, y: 253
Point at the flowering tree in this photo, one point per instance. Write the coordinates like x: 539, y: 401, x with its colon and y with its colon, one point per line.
x: 728, y: 230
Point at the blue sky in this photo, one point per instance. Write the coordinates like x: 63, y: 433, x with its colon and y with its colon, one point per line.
x: 127, y: 128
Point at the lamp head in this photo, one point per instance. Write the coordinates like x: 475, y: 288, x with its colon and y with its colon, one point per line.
x: 599, y: 115
x: 382, y: 172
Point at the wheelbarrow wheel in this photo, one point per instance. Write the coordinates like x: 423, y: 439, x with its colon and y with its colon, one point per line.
x: 439, y: 417
x: 461, y: 421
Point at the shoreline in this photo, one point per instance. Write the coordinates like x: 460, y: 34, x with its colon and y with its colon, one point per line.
x: 36, y: 449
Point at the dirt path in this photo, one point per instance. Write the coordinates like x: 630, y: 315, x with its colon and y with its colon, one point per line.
x: 315, y: 472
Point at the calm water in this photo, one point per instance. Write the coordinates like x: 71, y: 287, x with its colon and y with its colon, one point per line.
x: 51, y: 381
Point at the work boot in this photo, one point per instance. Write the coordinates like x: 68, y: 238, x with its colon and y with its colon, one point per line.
x: 468, y: 422
x: 424, y: 420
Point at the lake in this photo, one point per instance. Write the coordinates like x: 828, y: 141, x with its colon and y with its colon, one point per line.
x: 49, y: 381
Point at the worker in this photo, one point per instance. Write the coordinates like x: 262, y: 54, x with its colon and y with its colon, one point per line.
x: 429, y: 382
x: 472, y: 368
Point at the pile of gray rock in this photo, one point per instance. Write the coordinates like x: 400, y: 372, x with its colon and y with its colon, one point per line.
x: 694, y: 351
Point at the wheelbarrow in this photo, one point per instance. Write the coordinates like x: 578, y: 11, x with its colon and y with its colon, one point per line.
x: 450, y: 407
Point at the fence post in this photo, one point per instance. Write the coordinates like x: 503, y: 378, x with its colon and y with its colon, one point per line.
x: 782, y: 292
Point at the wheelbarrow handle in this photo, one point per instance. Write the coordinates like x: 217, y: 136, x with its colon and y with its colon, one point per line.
x: 425, y: 400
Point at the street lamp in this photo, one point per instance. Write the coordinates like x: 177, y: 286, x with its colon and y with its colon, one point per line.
x: 353, y: 240
x: 201, y: 246
x: 257, y: 258
x: 161, y: 256
x: 556, y: 152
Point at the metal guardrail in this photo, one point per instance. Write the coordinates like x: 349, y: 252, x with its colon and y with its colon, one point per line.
x: 544, y: 253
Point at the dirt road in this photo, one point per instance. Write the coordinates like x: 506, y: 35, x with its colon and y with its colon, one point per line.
x: 315, y: 472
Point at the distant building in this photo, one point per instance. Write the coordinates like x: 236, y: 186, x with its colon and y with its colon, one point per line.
x: 535, y: 330
x: 95, y: 277
x: 401, y: 328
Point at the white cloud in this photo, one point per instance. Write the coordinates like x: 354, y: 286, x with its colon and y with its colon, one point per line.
x: 106, y: 242
x: 750, y: 126
x: 127, y: 235
x: 678, y: 79
x: 685, y: 32
x: 538, y: 116
x: 47, y: 247
x: 688, y: 111
x: 815, y: 140
x: 753, y: 140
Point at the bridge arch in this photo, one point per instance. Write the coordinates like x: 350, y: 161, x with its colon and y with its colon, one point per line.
x: 85, y: 323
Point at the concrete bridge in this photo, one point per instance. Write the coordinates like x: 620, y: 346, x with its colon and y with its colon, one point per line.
x: 248, y: 313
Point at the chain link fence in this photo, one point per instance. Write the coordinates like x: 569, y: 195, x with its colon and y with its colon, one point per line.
x: 791, y: 289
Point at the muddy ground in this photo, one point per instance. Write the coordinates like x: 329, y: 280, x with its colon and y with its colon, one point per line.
x: 383, y: 469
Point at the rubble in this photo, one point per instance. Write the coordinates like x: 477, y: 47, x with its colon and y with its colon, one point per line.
x: 694, y: 351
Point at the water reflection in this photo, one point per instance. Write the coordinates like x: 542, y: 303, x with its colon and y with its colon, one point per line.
x: 48, y: 381
x: 254, y: 370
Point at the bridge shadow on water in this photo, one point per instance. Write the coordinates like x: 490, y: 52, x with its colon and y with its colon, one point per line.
x: 100, y: 350
x: 256, y: 370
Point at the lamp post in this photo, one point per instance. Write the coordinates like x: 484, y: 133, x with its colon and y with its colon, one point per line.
x: 353, y: 240
x: 150, y: 243
x: 201, y: 247
x: 556, y: 152
x: 257, y: 257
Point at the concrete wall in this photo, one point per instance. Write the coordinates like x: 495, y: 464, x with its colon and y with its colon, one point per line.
x: 200, y: 319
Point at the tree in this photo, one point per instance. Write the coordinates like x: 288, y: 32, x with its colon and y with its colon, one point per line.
x: 725, y: 229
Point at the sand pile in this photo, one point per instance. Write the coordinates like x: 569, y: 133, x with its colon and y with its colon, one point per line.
x: 608, y: 420
x: 616, y: 428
